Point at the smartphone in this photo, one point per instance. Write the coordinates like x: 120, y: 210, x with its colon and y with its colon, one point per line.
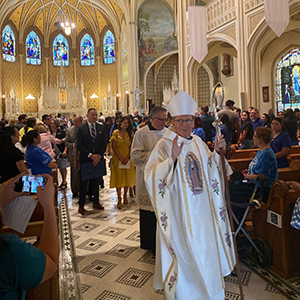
x: 31, y: 182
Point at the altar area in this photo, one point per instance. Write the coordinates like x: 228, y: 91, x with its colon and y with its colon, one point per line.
x: 62, y: 97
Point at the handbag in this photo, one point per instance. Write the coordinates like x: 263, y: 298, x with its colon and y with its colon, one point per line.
x: 89, y: 171
x: 295, y: 222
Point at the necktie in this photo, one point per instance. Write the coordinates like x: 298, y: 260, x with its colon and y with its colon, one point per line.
x: 93, y: 133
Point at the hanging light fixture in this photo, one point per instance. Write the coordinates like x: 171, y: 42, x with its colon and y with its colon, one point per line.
x: 64, y: 25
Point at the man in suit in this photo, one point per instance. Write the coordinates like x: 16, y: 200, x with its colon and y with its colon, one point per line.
x: 70, y: 141
x: 91, y: 143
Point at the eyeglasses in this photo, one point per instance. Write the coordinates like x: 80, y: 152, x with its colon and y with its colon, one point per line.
x: 187, y: 121
x: 162, y: 120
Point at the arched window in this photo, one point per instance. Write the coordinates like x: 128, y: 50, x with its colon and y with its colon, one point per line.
x: 87, y: 51
x: 288, y: 81
x: 60, y: 51
x: 109, y: 48
x: 33, y: 49
x: 8, y: 44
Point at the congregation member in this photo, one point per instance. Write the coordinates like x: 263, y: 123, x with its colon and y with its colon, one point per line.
x: 60, y: 152
x: 266, y: 120
x: 22, y: 266
x: 38, y: 161
x: 65, y: 122
x: 198, y: 128
x: 245, y: 140
x: 255, y: 119
x: 297, y: 114
x: 289, y: 122
x: 264, y: 163
x: 122, y: 169
x: 31, y: 122
x: 47, y: 139
x: 144, y: 142
x: 70, y: 143
x: 186, y: 187
x: 233, y: 118
x: 136, y: 115
x: 281, y: 143
x: 280, y: 115
x: 91, y: 143
x: 226, y: 129
x: 207, y: 121
x: 101, y: 118
x: 22, y: 120
x: 46, y: 121
x: 11, y: 158
x: 271, y: 115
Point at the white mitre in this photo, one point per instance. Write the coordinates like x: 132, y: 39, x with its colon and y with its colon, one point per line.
x: 182, y: 104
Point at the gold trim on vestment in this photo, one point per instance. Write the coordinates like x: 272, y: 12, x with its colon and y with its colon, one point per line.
x: 187, y: 211
x: 214, y: 218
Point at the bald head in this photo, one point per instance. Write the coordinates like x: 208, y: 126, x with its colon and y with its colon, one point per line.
x: 77, y: 121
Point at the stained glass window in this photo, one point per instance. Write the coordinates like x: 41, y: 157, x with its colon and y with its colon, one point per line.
x: 60, y: 51
x: 33, y: 49
x: 109, y: 48
x: 8, y: 44
x: 288, y: 81
x: 87, y: 51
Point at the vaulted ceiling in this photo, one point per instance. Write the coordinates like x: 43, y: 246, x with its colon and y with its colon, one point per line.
x: 86, y: 14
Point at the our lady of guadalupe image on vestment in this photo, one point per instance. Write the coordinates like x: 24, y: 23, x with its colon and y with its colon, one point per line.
x: 193, y: 173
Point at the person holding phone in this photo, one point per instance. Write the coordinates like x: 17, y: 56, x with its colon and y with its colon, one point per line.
x: 11, y: 158
x: 22, y: 266
x: 39, y: 161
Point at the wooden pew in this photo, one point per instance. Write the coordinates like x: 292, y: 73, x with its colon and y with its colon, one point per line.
x: 283, y: 240
x: 295, y: 149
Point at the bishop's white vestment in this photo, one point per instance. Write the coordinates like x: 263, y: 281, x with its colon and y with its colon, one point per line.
x: 194, y: 243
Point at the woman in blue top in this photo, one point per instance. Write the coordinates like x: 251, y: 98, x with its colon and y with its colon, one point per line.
x: 264, y: 163
x: 281, y: 143
x: 38, y: 160
x: 198, y: 128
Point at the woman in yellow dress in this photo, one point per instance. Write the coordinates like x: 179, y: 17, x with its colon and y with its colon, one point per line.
x: 122, y: 169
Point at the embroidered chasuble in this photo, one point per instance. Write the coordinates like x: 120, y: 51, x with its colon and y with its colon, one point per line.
x: 194, y: 241
x: 143, y: 143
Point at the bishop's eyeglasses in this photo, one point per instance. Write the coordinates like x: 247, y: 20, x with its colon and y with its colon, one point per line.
x: 181, y: 121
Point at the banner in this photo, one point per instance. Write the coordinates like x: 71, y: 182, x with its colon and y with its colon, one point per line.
x: 197, y: 31
x: 277, y: 15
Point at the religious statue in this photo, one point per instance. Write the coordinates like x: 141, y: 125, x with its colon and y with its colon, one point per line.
x: 137, y: 92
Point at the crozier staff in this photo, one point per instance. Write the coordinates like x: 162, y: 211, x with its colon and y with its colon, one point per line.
x: 186, y: 187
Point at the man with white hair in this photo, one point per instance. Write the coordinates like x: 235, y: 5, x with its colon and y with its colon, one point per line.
x: 143, y: 143
x: 186, y: 186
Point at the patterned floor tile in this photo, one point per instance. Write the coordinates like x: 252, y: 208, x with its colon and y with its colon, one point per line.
x: 134, y: 277
x: 112, y: 231
x: 245, y: 274
x: 75, y: 237
x: 104, y: 217
x: 86, y: 227
x: 128, y: 221
x: 148, y: 258
x: 85, y: 287
x: 232, y: 296
x: 91, y: 245
x: 135, y: 236
x: 121, y: 250
x: 98, y: 268
x: 107, y: 295
x: 79, y: 258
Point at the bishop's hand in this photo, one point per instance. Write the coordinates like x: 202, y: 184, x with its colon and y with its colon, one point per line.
x: 176, y: 150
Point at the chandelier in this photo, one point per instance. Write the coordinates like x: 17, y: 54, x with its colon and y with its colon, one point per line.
x: 62, y: 23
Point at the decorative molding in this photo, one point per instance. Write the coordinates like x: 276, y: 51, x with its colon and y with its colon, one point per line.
x: 249, y: 5
x: 220, y: 12
x: 254, y: 20
x: 230, y: 32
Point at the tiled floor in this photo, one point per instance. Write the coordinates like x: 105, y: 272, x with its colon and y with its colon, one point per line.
x: 112, y: 266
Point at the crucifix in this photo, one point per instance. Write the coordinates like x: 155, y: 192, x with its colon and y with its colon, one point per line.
x: 137, y: 92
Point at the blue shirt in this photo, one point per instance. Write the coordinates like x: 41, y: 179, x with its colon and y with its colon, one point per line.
x: 199, y: 132
x: 282, y: 140
x: 257, y: 123
x: 22, y: 267
x: 37, y: 160
x: 264, y: 163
